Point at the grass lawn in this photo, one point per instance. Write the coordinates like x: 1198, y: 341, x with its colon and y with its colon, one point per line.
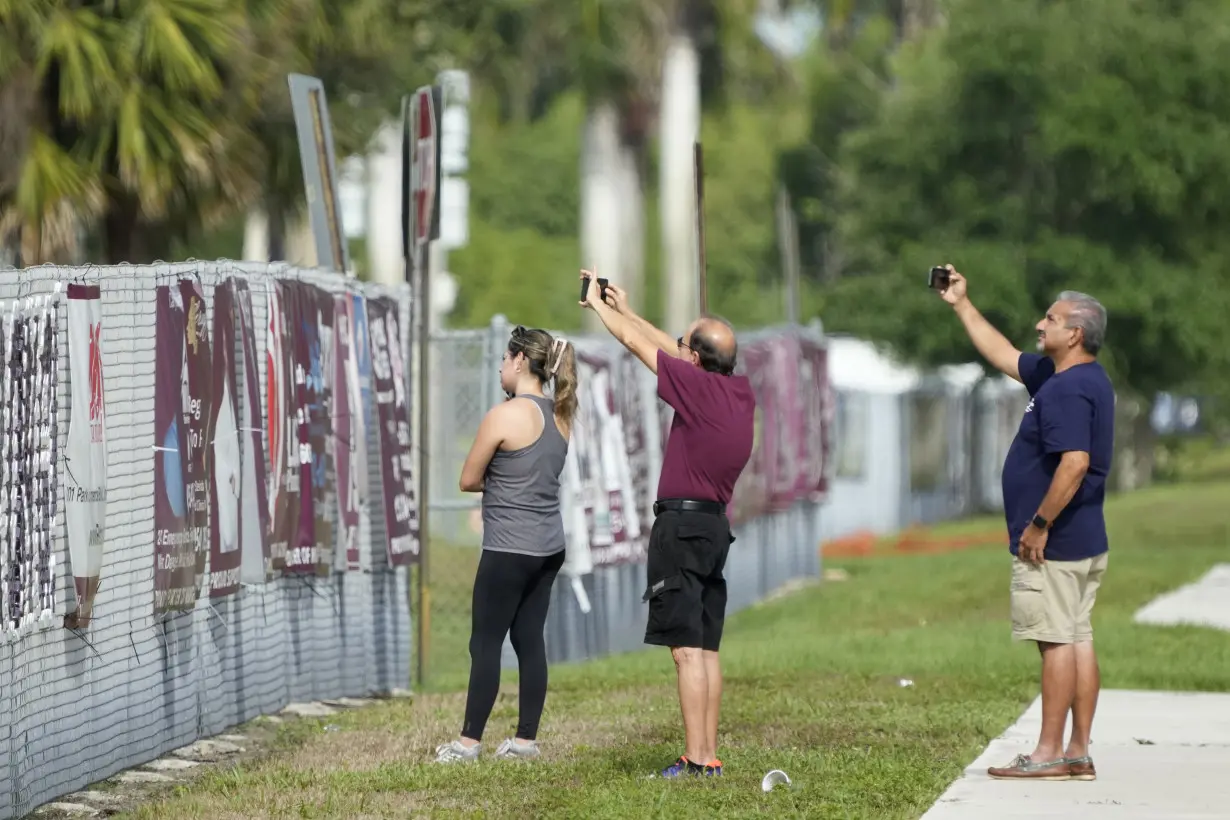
x: 812, y: 687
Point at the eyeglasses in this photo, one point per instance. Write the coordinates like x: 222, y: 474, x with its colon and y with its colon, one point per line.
x: 681, y: 343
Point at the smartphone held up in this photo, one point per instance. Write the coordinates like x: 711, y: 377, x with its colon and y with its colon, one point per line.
x: 602, y: 283
x: 939, y: 278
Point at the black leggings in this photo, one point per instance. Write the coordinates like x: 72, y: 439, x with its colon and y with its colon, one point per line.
x: 511, y: 592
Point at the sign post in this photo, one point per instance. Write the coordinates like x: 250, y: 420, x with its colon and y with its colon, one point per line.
x: 698, y: 175
x: 421, y: 218
x: 316, y: 157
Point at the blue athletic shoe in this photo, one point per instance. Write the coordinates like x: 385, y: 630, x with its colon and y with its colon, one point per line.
x: 686, y: 768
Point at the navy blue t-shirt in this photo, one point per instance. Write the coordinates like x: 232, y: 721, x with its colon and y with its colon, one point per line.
x: 1072, y: 410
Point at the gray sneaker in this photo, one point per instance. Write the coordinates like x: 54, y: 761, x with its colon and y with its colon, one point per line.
x: 518, y: 750
x: 457, y: 752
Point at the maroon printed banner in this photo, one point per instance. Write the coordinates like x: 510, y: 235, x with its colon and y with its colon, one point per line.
x: 175, y: 587
x: 393, y: 418
x: 752, y: 492
x: 788, y: 444
x: 303, y: 553
x: 257, y: 560
x: 319, y: 330
x: 348, y: 433
x: 281, y: 428
x: 819, y: 410
x: 195, y: 410
x: 225, y: 547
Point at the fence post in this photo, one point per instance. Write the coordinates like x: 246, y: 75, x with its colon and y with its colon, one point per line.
x: 493, y: 352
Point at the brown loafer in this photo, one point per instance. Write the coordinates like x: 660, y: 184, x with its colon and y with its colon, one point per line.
x: 1022, y: 768
x: 1082, y: 768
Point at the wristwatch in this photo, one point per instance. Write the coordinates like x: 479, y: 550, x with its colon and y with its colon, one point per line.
x: 1040, y: 522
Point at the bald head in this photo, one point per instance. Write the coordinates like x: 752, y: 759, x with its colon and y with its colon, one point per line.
x: 713, y: 340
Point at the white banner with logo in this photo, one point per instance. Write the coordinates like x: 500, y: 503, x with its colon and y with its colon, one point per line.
x: 85, y: 455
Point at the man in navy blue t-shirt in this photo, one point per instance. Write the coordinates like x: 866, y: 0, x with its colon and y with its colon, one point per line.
x: 1054, y: 484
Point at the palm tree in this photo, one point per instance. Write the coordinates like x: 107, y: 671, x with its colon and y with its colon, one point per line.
x: 128, y: 120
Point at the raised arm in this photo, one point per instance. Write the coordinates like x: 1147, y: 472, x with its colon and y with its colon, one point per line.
x: 625, y: 331
x: 991, y: 344
x: 617, y: 298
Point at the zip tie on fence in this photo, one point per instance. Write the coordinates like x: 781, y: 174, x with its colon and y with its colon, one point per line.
x: 578, y: 589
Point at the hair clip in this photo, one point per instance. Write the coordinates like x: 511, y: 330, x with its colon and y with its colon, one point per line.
x: 557, y: 352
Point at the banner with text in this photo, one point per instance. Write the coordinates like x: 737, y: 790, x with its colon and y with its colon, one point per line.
x: 366, y: 432
x: 225, y: 536
x: 175, y: 587
x: 281, y: 429
x: 393, y: 415
x: 257, y: 559
x: 197, y: 400
x: 349, y: 436
x: 85, y: 482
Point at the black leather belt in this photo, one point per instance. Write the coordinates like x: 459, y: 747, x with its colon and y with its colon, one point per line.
x: 688, y: 505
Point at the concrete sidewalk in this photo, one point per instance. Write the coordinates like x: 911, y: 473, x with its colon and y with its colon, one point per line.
x: 1203, y: 603
x: 1159, y: 755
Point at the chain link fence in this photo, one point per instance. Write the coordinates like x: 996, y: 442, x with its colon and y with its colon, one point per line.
x: 78, y: 705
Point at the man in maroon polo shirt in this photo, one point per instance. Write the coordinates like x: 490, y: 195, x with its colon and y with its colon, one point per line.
x: 710, y: 443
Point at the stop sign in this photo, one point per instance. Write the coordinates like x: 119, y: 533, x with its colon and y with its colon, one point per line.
x: 424, y: 177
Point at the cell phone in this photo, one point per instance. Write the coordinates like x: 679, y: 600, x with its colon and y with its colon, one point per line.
x: 602, y: 283
x: 939, y: 278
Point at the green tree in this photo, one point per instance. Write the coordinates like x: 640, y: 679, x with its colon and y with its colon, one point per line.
x: 1047, y: 146
x: 150, y: 120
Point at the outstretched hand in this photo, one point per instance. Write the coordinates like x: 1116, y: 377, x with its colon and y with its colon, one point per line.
x: 617, y: 299
x: 955, y: 292
x: 594, y: 294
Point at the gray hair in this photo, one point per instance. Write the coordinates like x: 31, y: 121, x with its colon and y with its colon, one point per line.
x: 1088, y: 314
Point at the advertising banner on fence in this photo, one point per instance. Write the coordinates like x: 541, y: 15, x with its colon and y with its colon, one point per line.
x: 393, y: 415
x: 304, y: 554
x: 607, y: 476
x: 366, y: 432
x: 819, y: 409
x: 282, y: 436
x: 635, y: 419
x: 348, y: 441
x: 175, y: 586
x: 254, y: 527
x: 787, y: 445
x: 319, y: 332
x: 197, y: 399
x: 225, y: 548
x: 751, y: 495
x: 85, y: 481
x: 30, y: 462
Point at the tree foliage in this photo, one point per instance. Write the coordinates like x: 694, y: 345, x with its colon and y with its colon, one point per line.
x: 1041, y: 147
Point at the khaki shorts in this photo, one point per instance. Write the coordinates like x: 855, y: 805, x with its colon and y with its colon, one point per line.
x: 1052, y: 602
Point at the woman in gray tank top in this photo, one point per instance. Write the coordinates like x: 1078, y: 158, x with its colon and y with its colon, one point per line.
x: 515, y: 462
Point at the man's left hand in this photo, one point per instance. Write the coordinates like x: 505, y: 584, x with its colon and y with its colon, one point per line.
x: 1032, y: 546
x: 594, y: 295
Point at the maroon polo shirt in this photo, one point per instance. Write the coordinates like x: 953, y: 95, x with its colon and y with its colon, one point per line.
x: 710, y: 440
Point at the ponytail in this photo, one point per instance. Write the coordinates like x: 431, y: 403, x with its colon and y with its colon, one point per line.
x: 562, y: 366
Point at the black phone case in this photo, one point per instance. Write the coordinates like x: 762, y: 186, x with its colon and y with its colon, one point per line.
x: 602, y: 283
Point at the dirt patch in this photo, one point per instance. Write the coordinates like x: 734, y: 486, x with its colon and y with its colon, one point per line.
x: 913, y: 541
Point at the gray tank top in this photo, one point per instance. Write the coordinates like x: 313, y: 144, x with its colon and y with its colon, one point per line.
x: 521, y: 511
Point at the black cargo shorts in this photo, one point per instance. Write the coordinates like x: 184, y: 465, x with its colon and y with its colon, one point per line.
x: 686, y: 590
